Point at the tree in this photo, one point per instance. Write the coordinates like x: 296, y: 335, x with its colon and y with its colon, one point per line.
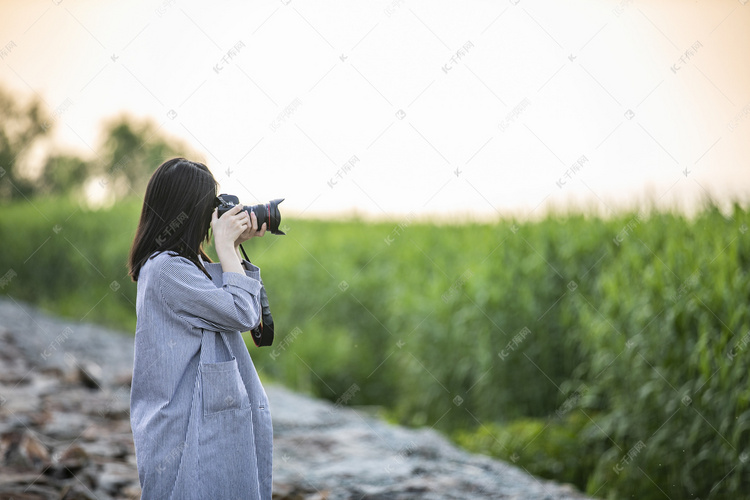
x: 21, y: 125
x: 130, y: 152
x: 63, y: 174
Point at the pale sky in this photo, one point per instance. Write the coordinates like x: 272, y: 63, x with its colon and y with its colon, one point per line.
x: 388, y: 108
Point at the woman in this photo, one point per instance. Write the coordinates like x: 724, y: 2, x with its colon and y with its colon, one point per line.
x: 199, y: 414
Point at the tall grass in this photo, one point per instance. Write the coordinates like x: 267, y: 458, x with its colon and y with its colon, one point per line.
x: 608, y: 353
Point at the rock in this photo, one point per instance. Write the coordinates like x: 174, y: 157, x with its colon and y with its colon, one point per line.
x: 123, y: 380
x: 79, y: 492
x: 11, y: 357
x: 297, y: 492
x: 27, y: 487
x: 90, y: 374
x: 115, y: 476
x: 22, y: 450
x: 16, y: 398
x: 107, y: 448
x: 74, y: 459
x: 132, y: 492
x: 65, y: 425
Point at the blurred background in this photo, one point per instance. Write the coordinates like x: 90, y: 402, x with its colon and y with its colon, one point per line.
x: 521, y: 223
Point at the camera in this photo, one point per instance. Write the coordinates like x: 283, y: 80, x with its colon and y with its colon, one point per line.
x: 264, y: 212
x: 268, y: 213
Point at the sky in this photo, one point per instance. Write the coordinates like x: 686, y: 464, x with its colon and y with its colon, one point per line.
x: 447, y: 110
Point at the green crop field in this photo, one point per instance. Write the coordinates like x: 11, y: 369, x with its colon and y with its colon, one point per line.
x: 609, y: 353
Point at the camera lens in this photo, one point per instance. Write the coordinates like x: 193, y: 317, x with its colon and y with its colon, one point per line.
x: 268, y: 213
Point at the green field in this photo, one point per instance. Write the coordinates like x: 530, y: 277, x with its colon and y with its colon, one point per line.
x: 610, y: 353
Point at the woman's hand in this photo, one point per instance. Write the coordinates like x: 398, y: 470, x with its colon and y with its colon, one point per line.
x: 228, y: 228
x: 252, y: 230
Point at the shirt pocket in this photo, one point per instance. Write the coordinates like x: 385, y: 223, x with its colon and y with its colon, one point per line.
x: 223, y: 389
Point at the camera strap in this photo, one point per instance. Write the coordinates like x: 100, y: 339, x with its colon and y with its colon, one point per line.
x: 263, y: 333
x: 243, y: 253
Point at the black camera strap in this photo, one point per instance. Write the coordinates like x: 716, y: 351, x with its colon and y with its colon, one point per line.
x: 243, y: 253
x: 263, y: 333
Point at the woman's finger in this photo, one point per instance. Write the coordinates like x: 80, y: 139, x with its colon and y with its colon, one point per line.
x: 254, y: 221
x: 234, y: 209
x: 244, y: 218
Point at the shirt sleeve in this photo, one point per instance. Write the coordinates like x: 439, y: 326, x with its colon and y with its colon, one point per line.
x: 251, y: 270
x: 235, y: 306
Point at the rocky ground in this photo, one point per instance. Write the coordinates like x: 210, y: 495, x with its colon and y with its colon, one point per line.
x: 65, y: 433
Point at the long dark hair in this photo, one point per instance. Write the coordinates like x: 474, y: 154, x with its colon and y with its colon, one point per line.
x: 176, y: 214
